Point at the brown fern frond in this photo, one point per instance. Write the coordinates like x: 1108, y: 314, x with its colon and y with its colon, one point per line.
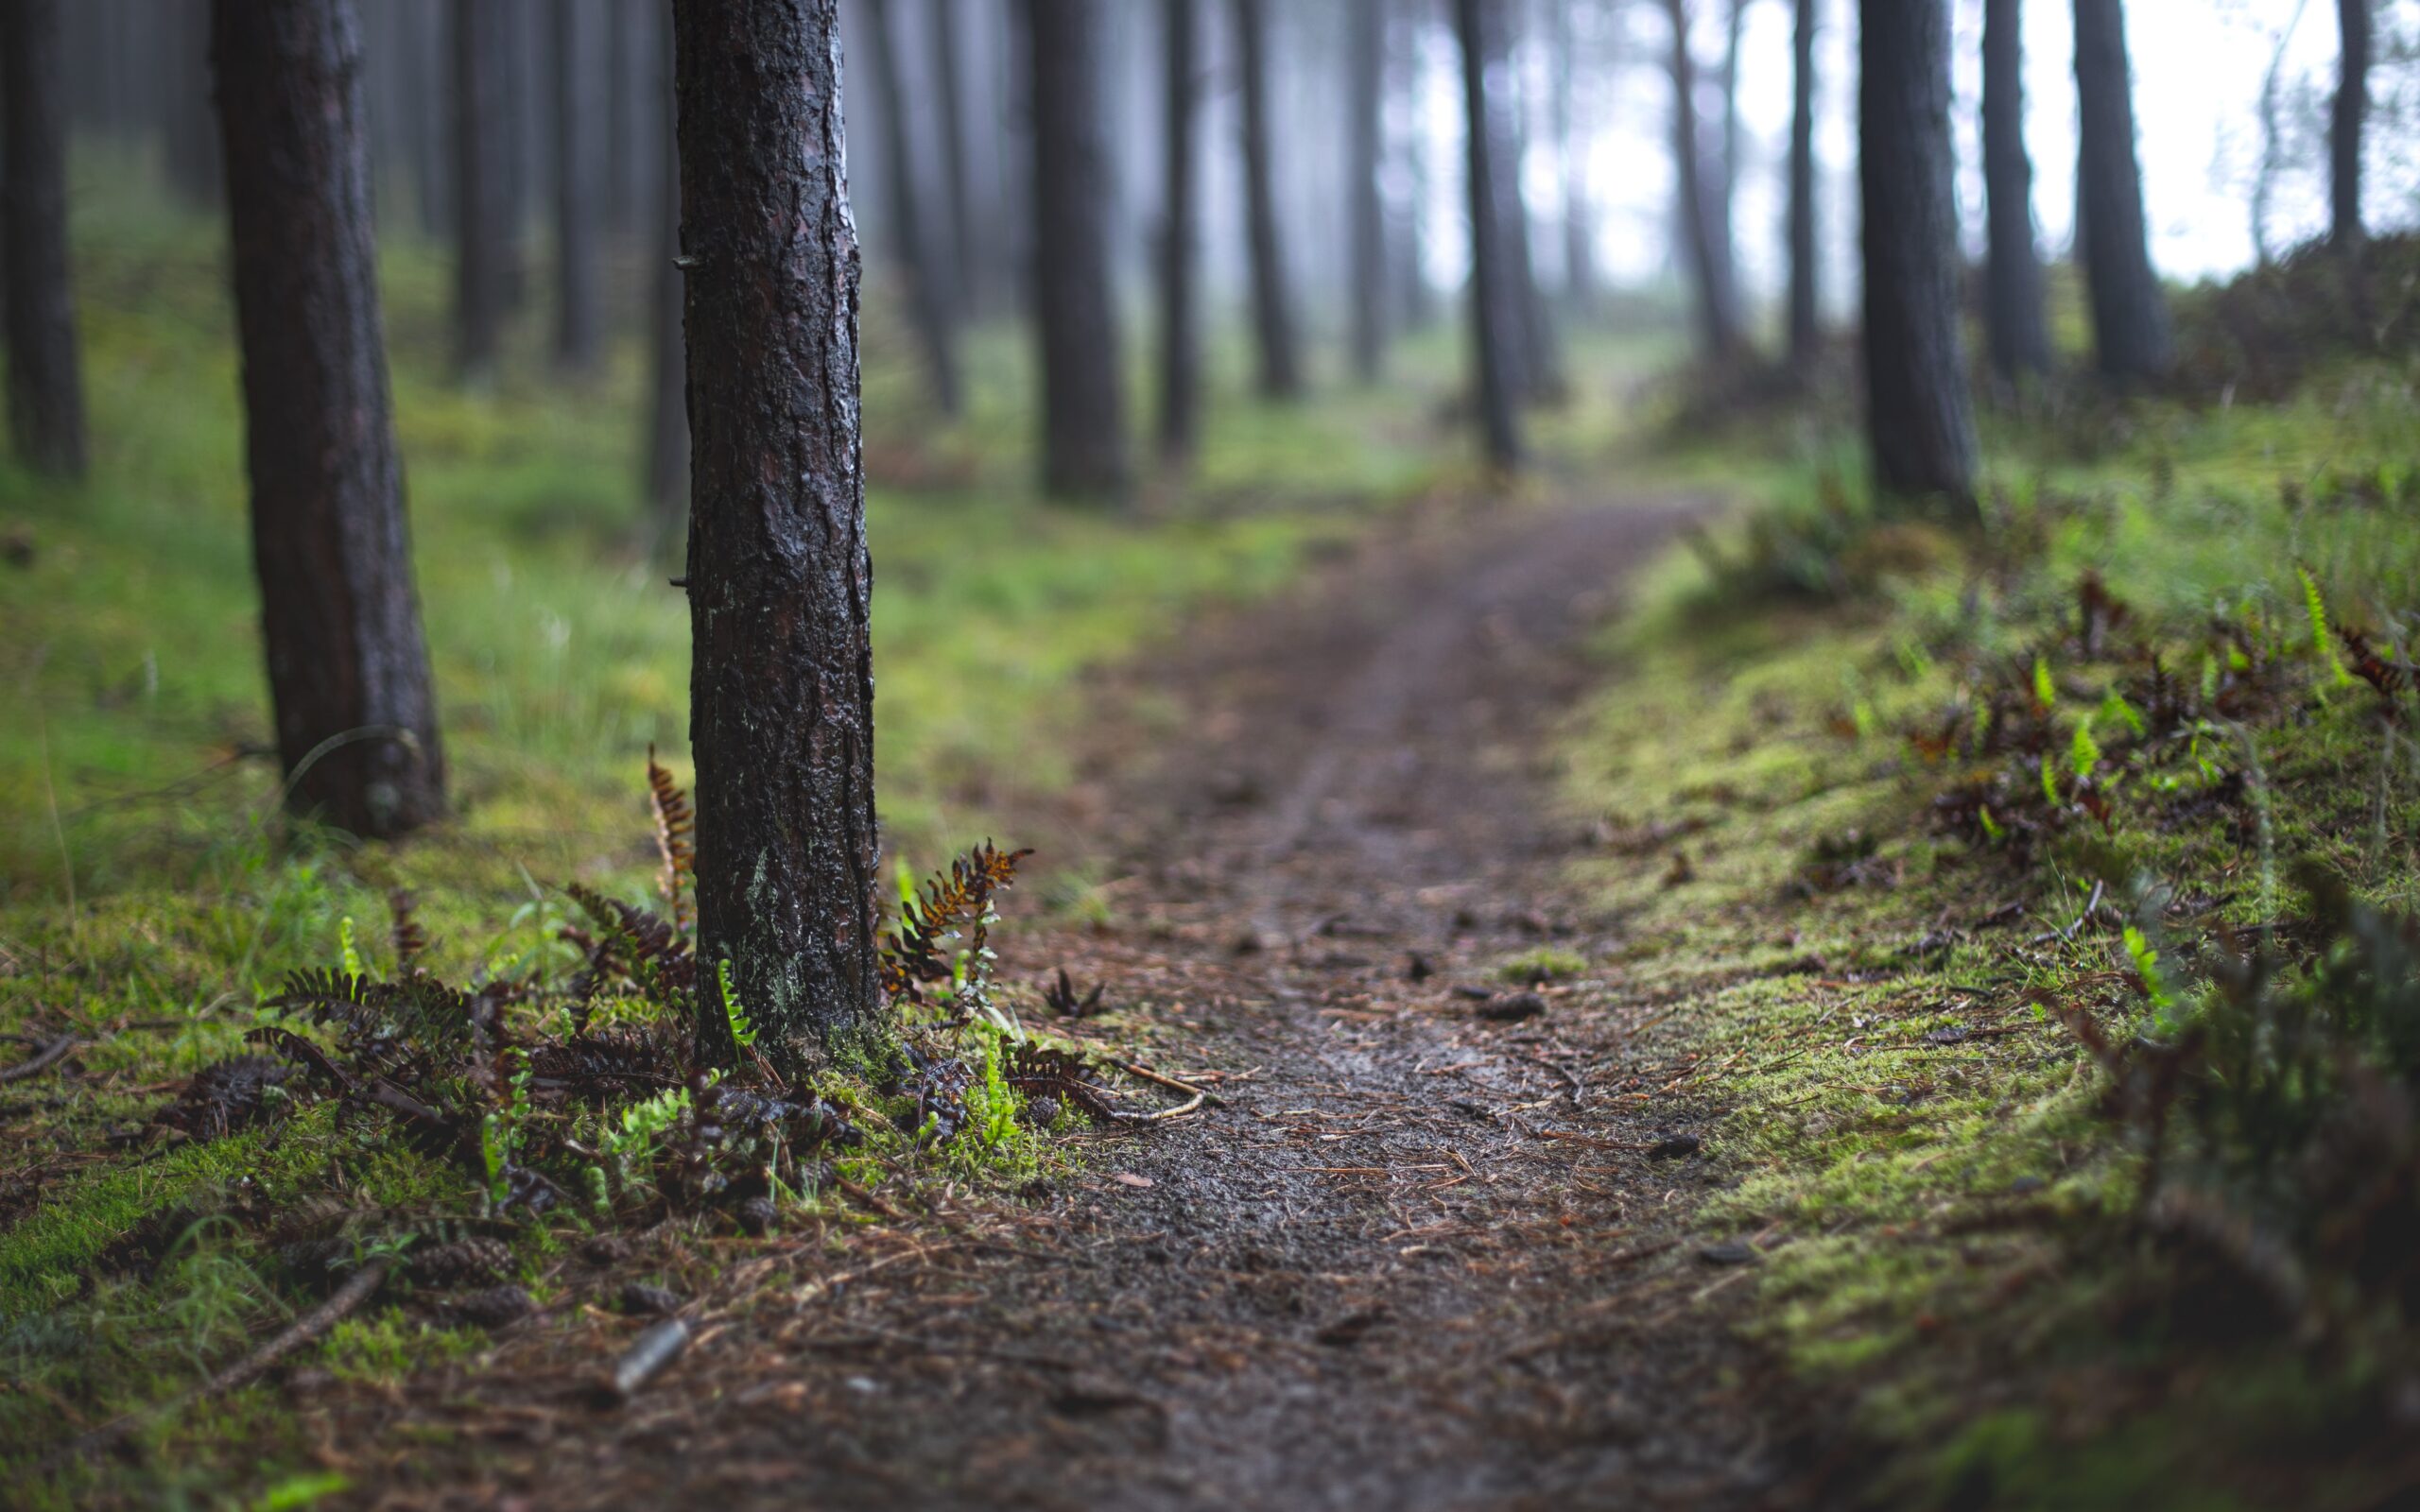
x: 676, y: 829
x: 1040, y: 1071
x: 958, y: 899
x: 409, y: 940
x: 639, y: 945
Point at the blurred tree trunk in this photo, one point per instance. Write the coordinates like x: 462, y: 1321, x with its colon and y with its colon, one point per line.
x: 2351, y: 110
x: 1415, y: 303
x: 1494, y: 315
x: 46, y: 372
x: 2264, y: 177
x: 1272, y: 308
x: 1726, y: 188
x: 916, y: 248
x: 348, y: 668
x: 667, y: 448
x: 420, y: 33
x: 1805, y: 316
x: 622, y: 97
x: 479, y: 207
x: 1709, y: 264
x: 1366, y: 58
x: 1579, y: 244
x: 781, y: 720
x: 1535, y: 362
x: 576, y: 296
x: 190, y: 146
x: 1084, y: 430
x: 2129, y: 309
x: 2019, y: 333
x: 949, y: 70
x: 1918, y: 415
x: 1180, y: 354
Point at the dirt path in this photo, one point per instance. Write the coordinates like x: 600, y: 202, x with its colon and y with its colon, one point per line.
x: 1417, y: 1257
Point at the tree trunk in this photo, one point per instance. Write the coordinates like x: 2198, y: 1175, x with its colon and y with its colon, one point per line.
x: 2019, y: 333
x: 917, y: 252
x: 576, y: 315
x: 781, y: 720
x: 45, y: 373
x: 1366, y: 56
x: 1536, y: 365
x: 1417, y: 301
x: 1918, y: 416
x: 190, y: 144
x: 1273, y: 309
x: 1180, y: 354
x: 1726, y: 187
x: 1493, y: 316
x: 348, y: 668
x: 949, y: 68
x: 478, y: 190
x: 1805, y: 315
x: 2352, y: 108
x: 622, y: 97
x: 2264, y: 177
x: 1083, y: 435
x: 2129, y: 309
x: 1709, y: 264
x: 1579, y: 250
x: 667, y: 449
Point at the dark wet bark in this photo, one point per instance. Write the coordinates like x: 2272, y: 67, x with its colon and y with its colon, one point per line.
x: 2018, y: 331
x: 1179, y: 345
x: 348, y: 668
x: 576, y: 293
x: 1280, y: 370
x: 1366, y: 58
x: 1919, y: 417
x: 949, y: 68
x: 37, y: 306
x: 922, y: 259
x: 1717, y: 313
x: 1495, y: 313
x: 475, y: 54
x: 667, y: 447
x: 2129, y: 308
x: 2345, y: 120
x: 1083, y: 434
x: 781, y: 682
x: 1805, y: 318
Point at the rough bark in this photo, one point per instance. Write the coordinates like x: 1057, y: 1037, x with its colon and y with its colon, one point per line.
x: 1366, y: 58
x: 2019, y: 333
x: 2129, y: 309
x: 1280, y: 370
x: 480, y: 271
x: 576, y: 296
x: 2345, y: 120
x: 1805, y: 316
x: 1180, y: 346
x: 1083, y: 433
x: 1919, y: 417
x: 949, y: 68
x: 348, y: 667
x: 781, y: 720
x: 921, y: 259
x: 1494, y: 316
x: 1718, y: 312
x: 46, y: 372
x: 667, y: 449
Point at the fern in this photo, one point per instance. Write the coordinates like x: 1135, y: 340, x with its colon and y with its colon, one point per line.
x: 2084, y: 753
x: 2046, y: 691
x: 916, y: 954
x: 2323, y: 643
x: 346, y: 952
x: 743, y: 1033
x: 676, y: 829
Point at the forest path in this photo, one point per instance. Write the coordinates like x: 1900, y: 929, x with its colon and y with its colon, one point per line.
x: 1416, y: 1257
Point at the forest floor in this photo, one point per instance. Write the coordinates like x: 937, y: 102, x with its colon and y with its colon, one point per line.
x: 1430, y: 1246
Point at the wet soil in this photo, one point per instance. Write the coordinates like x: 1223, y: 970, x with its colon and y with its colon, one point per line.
x: 1431, y: 1245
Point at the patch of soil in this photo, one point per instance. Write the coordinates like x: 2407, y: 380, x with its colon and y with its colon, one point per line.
x: 1419, y: 1254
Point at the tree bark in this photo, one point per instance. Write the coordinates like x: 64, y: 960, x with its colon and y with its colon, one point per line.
x: 1179, y: 353
x: 1919, y: 419
x: 781, y: 720
x: 2018, y: 331
x: 956, y: 174
x: 348, y: 667
x: 1083, y: 435
x: 1727, y: 186
x: 1709, y: 265
x: 1579, y: 248
x: 2351, y: 110
x: 576, y: 312
x: 1493, y: 316
x: 1805, y: 315
x: 190, y: 146
x: 667, y: 449
x: 2129, y: 309
x: 1272, y: 308
x: 1366, y: 56
x: 917, y: 250
x: 479, y: 189
x: 46, y: 371
x: 1537, y: 360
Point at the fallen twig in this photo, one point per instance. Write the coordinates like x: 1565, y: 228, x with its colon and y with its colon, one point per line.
x: 48, y: 1055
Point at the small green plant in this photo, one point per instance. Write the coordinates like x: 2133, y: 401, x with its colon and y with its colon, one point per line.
x: 743, y: 1033
x: 2323, y: 642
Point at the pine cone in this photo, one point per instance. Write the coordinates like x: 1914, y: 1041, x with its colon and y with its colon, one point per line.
x: 492, y: 1307
x: 759, y: 1217
x: 462, y: 1263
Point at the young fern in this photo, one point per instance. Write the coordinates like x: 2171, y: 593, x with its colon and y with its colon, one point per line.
x: 743, y: 1033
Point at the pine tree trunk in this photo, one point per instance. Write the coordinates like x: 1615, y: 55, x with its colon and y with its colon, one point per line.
x: 667, y: 447
x: 957, y: 174
x: 622, y: 107
x: 1272, y: 308
x: 1415, y: 300
x: 1494, y: 316
x: 478, y: 190
x: 2351, y: 110
x: 2129, y: 308
x: 190, y: 146
x: 1806, y: 317
x: 1539, y: 365
x: 1709, y: 264
x: 45, y: 372
x: 1579, y: 249
x: 1919, y: 417
x: 576, y: 312
x: 918, y: 251
x: 1180, y: 354
x: 781, y: 683
x: 1083, y: 435
x: 348, y: 668
x: 2019, y: 333
x: 1726, y: 183
x: 1366, y: 56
